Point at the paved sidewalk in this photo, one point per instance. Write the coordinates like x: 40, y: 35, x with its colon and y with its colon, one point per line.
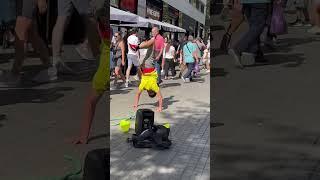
x: 187, y: 109
x: 39, y: 118
x: 267, y: 115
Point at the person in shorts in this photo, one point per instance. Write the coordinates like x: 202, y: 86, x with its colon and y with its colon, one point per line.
x: 65, y: 10
x: 26, y: 30
x: 133, y: 54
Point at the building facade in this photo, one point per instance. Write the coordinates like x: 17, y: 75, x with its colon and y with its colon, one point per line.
x: 192, y: 15
x: 188, y: 14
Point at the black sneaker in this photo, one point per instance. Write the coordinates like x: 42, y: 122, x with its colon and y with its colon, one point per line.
x: 260, y: 58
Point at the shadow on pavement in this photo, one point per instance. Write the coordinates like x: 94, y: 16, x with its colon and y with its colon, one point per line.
x: 286, y: 152
x: 85, y: 71
x: 5, y: 57
x: 294, y: 60
x: 119, y: 91
x: 3, y: 117
x: 189, y: 133
x: 198, y: 80
x: 166, y: 85
x: 214, y: 124
x: 14, y: 96
x: 286, y: 44
x: 218, y: 72
x: 101, y: 136
x: 167, y: 101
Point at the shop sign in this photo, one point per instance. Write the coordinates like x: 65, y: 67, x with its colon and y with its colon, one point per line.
x: 153, y: 14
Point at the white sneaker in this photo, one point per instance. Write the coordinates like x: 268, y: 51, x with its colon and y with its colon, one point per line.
x: 84, y: 53
x: 126, y: 84
x: 308, y: 25
x: 136, y: 77
x: 187, y: 80
x: 314, y: 30
x: 184, y: 80
x: 247, y: 59
x: 61, y: 66
x: 47, y: 75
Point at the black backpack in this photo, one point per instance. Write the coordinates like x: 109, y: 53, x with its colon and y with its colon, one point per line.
x: 96, y: 165
x: 148, y: 135
x: 155, y: 137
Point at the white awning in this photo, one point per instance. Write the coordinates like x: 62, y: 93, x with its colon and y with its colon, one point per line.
x: 148, y: 23
x: 122, y: 16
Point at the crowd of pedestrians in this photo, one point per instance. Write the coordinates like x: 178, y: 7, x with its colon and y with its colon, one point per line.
x: 188, y: 53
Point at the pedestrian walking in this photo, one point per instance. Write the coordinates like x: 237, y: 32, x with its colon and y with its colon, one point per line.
x: 303, y: 17
x: 316, y: 16
x: 159, y: 45
x: 245, y: 50
x: 65, y: 10
x: 169, y: 60
x: 119, y: 57
x: 182, y: 64
x: 190, y: 57
x: 26, y: 29
x: 132, y: 57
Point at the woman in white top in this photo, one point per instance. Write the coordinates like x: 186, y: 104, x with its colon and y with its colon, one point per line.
x: 168, y: 58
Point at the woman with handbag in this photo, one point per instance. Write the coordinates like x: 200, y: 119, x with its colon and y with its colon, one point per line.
x: 119, y: 57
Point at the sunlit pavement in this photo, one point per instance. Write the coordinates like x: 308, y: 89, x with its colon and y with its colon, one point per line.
x: 267, y: 116
x: 187, y: 109
x: 40, y: 118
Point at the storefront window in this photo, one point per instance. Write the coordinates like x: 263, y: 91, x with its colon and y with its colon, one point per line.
x: 202, y: 8
x: 198, y: 4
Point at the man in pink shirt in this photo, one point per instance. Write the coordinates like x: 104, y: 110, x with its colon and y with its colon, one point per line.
x: 158, y: 50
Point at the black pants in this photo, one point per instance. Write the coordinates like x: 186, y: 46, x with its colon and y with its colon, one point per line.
x: 169, y: 64
x: 97, y: 165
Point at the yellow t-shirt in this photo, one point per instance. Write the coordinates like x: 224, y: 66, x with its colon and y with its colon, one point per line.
x: 102, y: 77
x: 149, y: 82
